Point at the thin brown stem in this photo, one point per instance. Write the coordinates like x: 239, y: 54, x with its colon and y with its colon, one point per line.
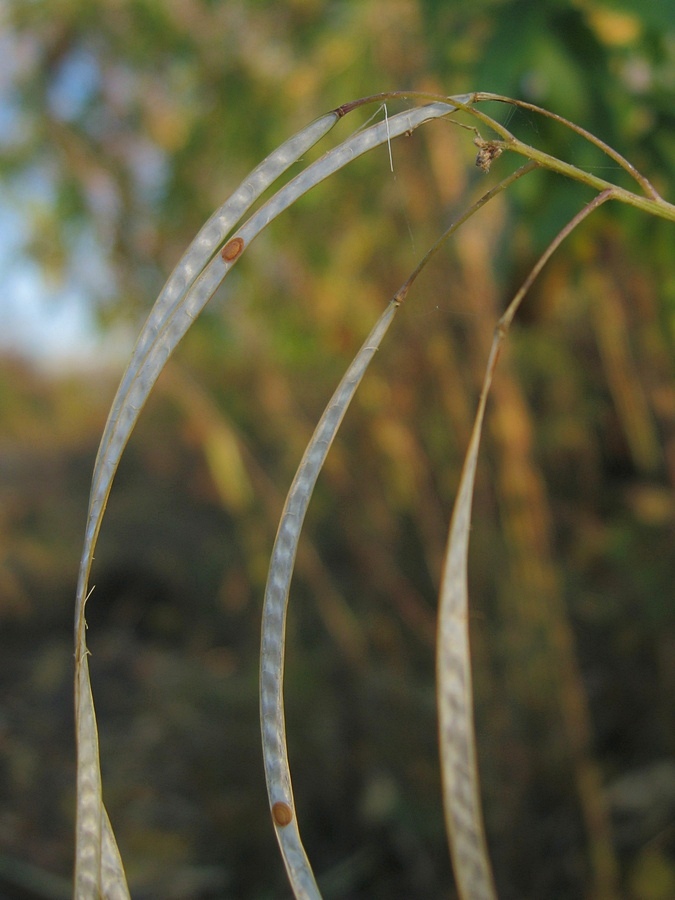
x: 497, y: 189
x: 644, y: 183
x: 512, y: 308
x: 653, y: 203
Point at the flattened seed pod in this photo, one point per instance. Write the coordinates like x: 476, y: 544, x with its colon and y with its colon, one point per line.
x: 232, y: 249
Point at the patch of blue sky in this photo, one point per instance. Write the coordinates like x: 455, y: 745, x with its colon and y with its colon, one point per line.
x: 74, y: 85
x: 53, y: 327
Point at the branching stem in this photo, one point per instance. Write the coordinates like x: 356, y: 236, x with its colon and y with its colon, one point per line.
x: 651, y: 203
x: 513, y: 306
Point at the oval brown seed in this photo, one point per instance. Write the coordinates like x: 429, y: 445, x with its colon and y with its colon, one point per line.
x: 282, y: 813
x: 232, y: 249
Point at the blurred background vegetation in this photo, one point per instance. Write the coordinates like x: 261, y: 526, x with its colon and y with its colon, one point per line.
x: 123, y: 125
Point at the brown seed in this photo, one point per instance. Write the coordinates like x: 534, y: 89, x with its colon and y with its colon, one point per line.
x: 232, y: 249
x: 282, y: 813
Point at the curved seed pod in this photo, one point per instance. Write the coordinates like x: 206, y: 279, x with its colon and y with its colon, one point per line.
x: 98, y: 868
x: 181, y: 300
x: 463, y: 814
x: 277, y: 770
x: 176, y: 307
x: 123, y: 414
x: 461, y: 794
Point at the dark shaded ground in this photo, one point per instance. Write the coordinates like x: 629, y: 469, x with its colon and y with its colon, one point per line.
x: 173, y: 633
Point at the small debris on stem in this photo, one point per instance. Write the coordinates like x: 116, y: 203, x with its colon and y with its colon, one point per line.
x: 488, y: 151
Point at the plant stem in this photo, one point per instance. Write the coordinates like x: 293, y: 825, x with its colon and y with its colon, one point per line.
x: 646, y: 185
x: 497, y: 189
x: 654, y: 204
x: 512, y: 308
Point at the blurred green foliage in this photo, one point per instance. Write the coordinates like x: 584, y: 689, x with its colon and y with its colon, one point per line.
x: 125, y: 124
